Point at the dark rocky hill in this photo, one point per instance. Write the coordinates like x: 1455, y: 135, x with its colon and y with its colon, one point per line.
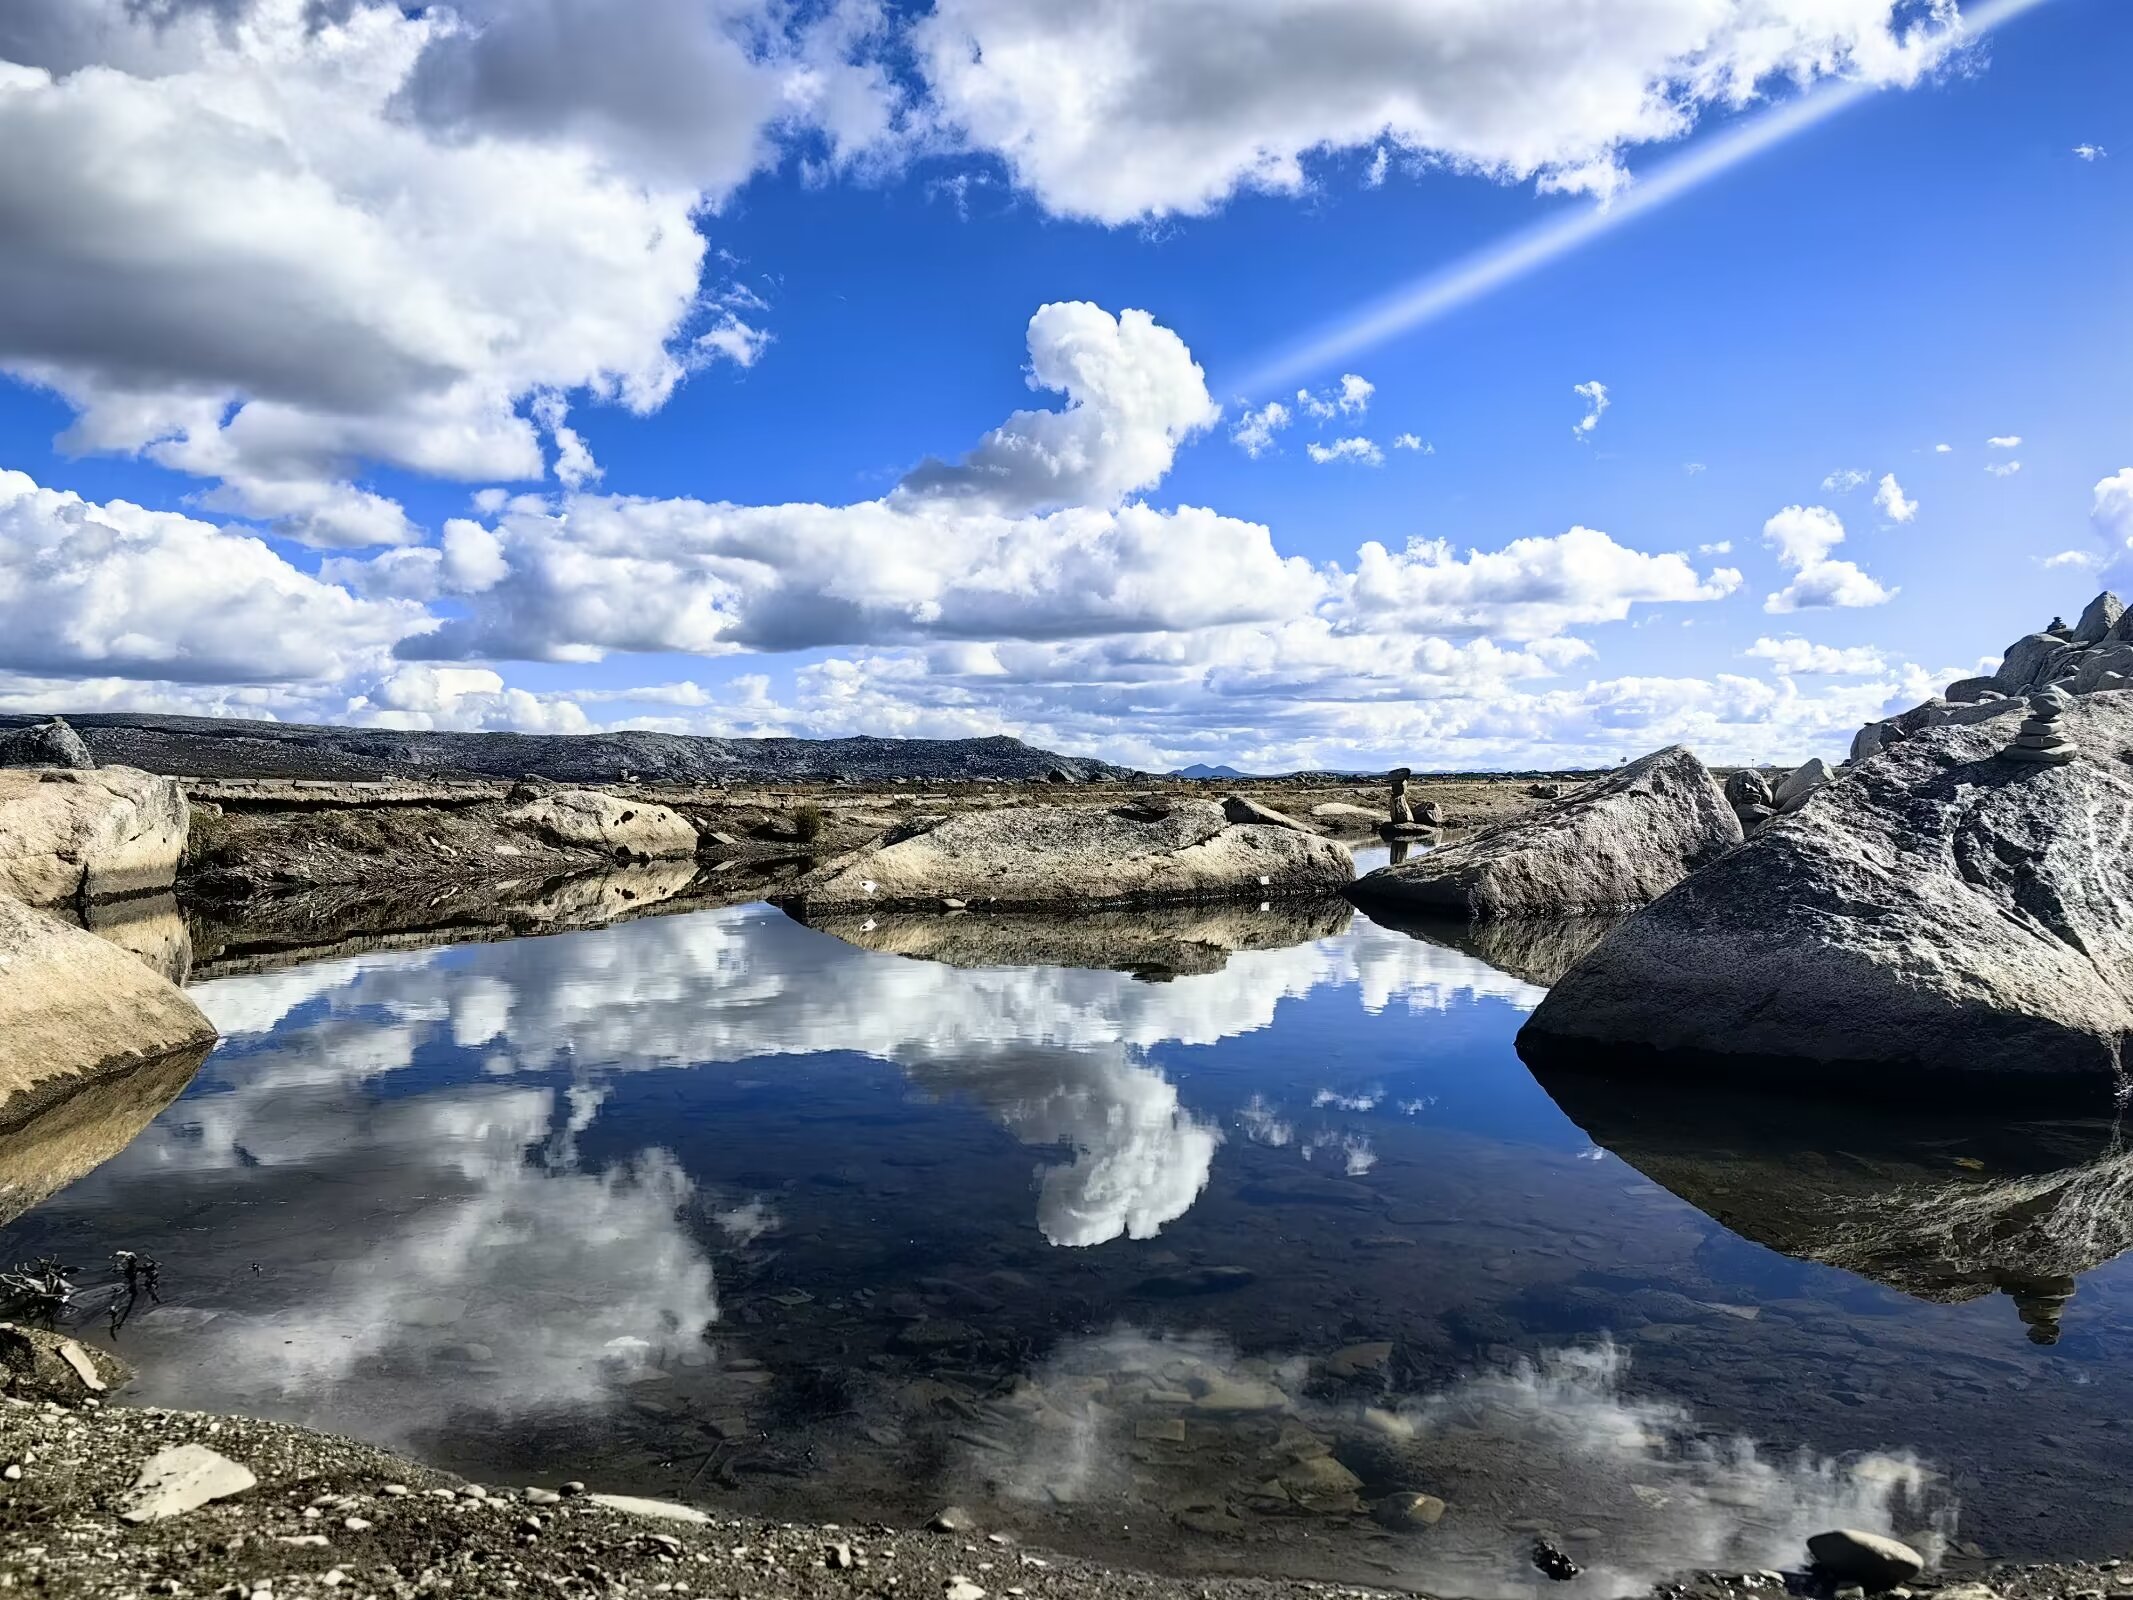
x: 218, y: 747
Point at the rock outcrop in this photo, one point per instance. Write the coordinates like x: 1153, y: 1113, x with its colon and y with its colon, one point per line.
x: 1944, y: 915
x: 2096, y: 653
x: 74, y: 1007
x: 1609, y: 845
x: 1146, y: 853
x: 69, y: 835
x: 44, y: 744
x: 628, y: 830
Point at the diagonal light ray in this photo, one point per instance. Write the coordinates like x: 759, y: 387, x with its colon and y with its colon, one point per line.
x: 1435, y: 294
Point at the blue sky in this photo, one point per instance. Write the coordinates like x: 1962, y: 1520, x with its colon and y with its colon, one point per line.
x: 332, y: 292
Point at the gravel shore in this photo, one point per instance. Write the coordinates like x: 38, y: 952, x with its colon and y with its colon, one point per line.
x: 330, y: 1516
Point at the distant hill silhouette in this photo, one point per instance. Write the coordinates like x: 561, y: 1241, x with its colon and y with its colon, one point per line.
x: 1200, y: 769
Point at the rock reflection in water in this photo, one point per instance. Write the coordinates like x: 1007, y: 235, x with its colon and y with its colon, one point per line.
x: 1940, y: 1209
x: 63, y: 1141
x: 332, y: 921
x: 149, y: 926
x: 1538, y: 950
x: 1153, y: 942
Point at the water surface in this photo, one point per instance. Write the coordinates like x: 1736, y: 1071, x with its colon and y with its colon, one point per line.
x: 1189, y: 1259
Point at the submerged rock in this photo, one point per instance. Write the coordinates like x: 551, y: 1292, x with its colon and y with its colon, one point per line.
x: 1080, y: 856
x: 1608, y: 846
x: 1538, y: 950
x: 1941, y: 916
x: 72, y: 835
x: 74, y: 1007
x: 629, y: 830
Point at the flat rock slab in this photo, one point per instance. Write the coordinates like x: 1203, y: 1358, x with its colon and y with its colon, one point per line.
x: 637, y: 1506
x: 622, y: 827
x: 181, y: 1479
x: 1078, y: 856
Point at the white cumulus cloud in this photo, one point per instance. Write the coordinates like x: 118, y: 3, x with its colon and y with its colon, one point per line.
x: 1889, y: 497
x: 1595, y: 396
x: 1355, y: 448
x: 1803, y: 537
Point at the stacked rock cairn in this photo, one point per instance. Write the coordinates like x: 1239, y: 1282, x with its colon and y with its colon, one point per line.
x: 2039, y: 740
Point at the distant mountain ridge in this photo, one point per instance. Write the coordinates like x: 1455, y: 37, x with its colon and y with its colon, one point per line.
x: 1200, y: 769
x: 229, y: 747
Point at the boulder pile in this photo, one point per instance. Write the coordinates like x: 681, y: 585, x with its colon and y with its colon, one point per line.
x: 2096, y: 653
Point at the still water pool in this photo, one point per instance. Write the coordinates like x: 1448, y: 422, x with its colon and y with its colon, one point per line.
x: 1186, y: 1239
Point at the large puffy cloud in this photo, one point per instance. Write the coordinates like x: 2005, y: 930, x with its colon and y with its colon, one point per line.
x: 269, y: 241
x: 1133, y: 394
x: 1124, y: 109
x: 1803, y: 537
x: 1530, y: 589
x: 111, y: 589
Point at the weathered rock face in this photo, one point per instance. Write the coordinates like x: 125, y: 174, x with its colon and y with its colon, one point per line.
x: 1944, y: 915
x: 72, y: 835
x: 1801, y: 782
x: 44, y: 744
x: 1610, y: 845
x: 629, y: 830
x: 74, y: 1007
x: 1086, y: 856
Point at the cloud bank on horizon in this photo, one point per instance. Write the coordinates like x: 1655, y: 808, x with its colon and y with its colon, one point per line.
x: 296, y: 260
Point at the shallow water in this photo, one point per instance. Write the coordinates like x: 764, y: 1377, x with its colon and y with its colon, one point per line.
x: 1185, y: 1264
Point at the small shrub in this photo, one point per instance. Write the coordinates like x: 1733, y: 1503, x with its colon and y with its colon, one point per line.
x: 807, y: 823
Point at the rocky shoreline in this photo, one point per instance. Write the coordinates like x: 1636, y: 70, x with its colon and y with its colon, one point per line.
x: 247, y: 1507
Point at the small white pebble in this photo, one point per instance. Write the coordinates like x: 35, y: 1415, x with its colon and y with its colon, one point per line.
x: 392, y: 1491
x: 356, y: 1524
x: 13, y: 1474
x: 335, y: 1578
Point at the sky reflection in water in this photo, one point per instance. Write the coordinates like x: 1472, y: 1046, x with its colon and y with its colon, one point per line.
x: 1186, y: 1266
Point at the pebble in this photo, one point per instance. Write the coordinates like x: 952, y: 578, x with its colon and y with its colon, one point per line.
x: 959, y: 1587
x: 838, y: 1556
x: 13, y: 1474
x: 356, y: 1524
x: 475, y: 1491
x: 951, y: 1519
x: 573, y: 1487
x: 393, y: 1491
x: 542, y: 1497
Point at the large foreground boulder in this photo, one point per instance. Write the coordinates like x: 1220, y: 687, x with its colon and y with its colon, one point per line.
x: 1945, y: 915
x: 628, y: 830
x: 70, y: 835
x: 74, y: 1007
x: 1147, y: 853
x: 1607, y: 846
